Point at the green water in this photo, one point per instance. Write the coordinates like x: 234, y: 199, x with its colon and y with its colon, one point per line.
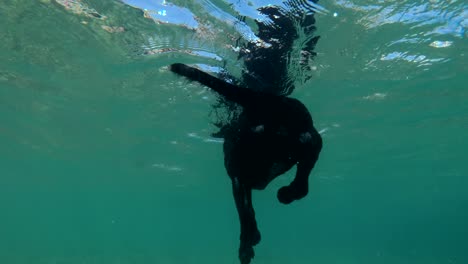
x: 103, y: 158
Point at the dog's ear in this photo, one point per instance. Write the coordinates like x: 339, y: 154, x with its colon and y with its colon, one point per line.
x: 232, y: 92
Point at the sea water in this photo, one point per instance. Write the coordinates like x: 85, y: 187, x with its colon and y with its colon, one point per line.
x: 107, y: 157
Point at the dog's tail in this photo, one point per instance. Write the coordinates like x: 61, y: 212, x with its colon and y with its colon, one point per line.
x: 232, y: 92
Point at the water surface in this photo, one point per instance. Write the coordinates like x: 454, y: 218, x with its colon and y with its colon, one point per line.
x: 106, y: 157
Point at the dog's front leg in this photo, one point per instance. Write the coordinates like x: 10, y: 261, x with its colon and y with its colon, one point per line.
x: 249, y: 234
x: 308, y: 150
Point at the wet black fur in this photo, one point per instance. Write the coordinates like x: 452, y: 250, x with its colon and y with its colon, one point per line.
x: 273, y: 133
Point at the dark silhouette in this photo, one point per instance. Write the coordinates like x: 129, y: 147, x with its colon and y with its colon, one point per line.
x: 267, y: 133
x: 273, y: 133
x: 266, y: 68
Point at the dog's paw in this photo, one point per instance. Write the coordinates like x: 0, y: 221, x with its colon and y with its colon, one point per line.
x: 284, y: 195
x: 246, y: 253
x: 288, y: 194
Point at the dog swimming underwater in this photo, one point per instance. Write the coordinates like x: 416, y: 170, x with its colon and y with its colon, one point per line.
x: 272, y: 134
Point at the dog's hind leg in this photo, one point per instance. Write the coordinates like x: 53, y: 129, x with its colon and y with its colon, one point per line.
x: 249, y: 235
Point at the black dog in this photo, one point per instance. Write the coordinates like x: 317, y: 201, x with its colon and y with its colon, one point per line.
x: 271, y: 135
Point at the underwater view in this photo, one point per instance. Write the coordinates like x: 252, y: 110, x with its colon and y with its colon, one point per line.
x: 107, y: 156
